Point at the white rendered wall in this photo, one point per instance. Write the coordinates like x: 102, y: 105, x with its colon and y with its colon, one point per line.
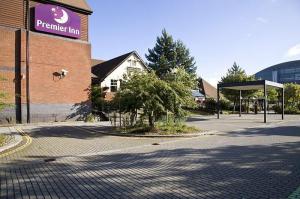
x: 119, y: 72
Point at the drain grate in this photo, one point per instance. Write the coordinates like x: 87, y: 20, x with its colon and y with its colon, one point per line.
x: 155, y: 144
x: 50, y: 160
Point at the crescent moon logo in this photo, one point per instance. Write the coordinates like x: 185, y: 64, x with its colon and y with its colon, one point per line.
x: 60, y: 15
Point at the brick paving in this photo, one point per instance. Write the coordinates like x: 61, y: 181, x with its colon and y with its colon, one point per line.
x: 260, y: 162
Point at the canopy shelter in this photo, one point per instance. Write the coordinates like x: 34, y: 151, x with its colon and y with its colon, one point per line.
x: 252, y: 85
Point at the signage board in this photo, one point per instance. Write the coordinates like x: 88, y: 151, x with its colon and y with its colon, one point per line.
x: 57, y: 20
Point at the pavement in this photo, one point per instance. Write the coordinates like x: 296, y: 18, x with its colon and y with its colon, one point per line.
x: 13, y: 138
x: 245, y: 159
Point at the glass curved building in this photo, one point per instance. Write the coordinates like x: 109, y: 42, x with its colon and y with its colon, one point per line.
x: 287, y: 72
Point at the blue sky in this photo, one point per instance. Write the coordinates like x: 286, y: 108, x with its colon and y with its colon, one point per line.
x: 254, y: 33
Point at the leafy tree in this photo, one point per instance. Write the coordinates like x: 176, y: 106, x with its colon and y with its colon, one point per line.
x: 292, y: 94
x: 168, y: 54
x: 155, y: 96
x: 182, y: 83
x: 97, y: 97
x: 291, y: 99
x: 236, y: 74
x: 272, y: 95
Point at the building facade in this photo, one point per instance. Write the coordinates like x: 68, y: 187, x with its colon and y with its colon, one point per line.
x: 45, y: 59
x: 288, y: 72
x: 109, y: 74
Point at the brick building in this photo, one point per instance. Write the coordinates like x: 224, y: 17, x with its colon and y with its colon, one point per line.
x: 45, y: 72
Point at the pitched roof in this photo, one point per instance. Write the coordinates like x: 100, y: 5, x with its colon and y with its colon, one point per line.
x: 80, y: 4
x: 208, y: 90
x: 97, y: 61
x: 103, y: 69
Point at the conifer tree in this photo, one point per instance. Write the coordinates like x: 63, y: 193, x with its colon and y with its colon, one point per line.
x: 236, y: 74
x: 168, y: 54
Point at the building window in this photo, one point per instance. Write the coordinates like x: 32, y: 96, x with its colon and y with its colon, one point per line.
x: 133, y: 63
x: 113, y: 85
x: 287, y: 71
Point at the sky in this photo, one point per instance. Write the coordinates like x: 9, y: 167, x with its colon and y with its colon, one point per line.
x: 253, y: 33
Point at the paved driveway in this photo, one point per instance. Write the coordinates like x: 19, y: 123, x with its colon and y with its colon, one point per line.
x: 260, y: 162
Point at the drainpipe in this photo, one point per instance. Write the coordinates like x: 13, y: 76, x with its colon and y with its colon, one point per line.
x: 27, y: 60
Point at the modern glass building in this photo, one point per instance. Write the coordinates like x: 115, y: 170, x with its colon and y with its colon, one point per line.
x: 288, y: 72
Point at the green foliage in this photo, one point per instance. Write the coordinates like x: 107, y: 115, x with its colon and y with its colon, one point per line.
x: 161, y: 128
x: 175, y: 128
x: 236, y: 74
x: 210, y: 105
x: 291, y: 99
x: 154, y: 96
x: 225, y: 105
x: 90, y: 118
x: 2, y: 139
x: 98, y: 102
x: 3, y: 97
x: 168, y: 54
x: 96, y: 96
x: 292, y: 94
x: 272, y: 95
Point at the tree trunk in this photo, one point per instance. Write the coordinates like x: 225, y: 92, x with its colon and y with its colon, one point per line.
x: 151, y: 120
x: 234, y: 104
x: 132, y: 118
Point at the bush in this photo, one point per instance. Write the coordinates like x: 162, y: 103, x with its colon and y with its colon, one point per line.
x: 225, y: 105
x: 287, y: 109
x: 210, y: 105
x: 277, y: 109
x: 90, y: 118
x: 291, y: 110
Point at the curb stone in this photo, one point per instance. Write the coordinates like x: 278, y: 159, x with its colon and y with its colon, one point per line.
x: 14, y: 139
x: 152, y: 136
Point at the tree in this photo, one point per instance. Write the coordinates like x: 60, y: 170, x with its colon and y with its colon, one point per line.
x: 146, y: 91
x: 236, y: 74
x: 292, y: 94
x: 168, y: 54
x: 97, y: 97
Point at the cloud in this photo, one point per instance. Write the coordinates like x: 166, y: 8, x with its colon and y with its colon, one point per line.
x: 262, y: 20
x: 293, y: 51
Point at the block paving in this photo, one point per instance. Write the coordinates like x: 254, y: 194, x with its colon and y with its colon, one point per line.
x: 259, y: 162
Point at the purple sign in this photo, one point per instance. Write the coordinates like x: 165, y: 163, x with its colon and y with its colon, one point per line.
x: 57, y: 20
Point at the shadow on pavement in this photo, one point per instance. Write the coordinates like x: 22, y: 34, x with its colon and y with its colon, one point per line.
x: 258, y: 171
x: 269, y: 131
x: 69, y: 131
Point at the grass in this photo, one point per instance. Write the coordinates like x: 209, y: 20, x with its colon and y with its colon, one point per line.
x: 2, y: 139
x: 160, y: 129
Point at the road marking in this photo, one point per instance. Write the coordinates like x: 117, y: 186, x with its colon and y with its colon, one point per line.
x: 27, y: 143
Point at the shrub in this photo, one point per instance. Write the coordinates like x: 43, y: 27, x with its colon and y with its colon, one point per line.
x: 225, y: 105
x: 210, y: 105
x: 287, y: 109
x: 90, y: 118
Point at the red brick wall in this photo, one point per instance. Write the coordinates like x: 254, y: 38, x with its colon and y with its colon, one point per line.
x: 7, y: 63
x: 49, y: 56
x: 50, y: 96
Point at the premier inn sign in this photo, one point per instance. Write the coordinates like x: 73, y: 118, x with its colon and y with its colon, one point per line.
x: 57, y: 20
